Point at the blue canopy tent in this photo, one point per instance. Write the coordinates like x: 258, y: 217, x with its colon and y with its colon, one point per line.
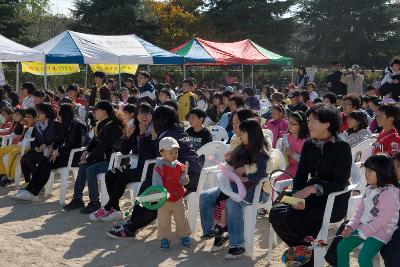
x: 79, y: 48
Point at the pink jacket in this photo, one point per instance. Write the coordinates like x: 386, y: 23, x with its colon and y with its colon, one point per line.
x: 378, y: 213
x: 277, y: 127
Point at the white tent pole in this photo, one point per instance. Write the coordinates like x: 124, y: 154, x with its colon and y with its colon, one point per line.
x: 242, y: 76
x: 119, y: 74
x: 252, y: 76
x: 17, y: 78
x: 184, y: 71
x: 45, y: 76
x: 86, y: 75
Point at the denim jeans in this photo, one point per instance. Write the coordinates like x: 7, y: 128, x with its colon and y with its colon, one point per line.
x: 89, y: 172
x: 207, y: 202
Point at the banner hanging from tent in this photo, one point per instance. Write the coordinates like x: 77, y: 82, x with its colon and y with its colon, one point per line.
x: 113, y: 69
x: 37, y: 68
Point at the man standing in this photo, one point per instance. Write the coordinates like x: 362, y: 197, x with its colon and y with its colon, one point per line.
x: 100, y: 90
x: 333, y: 80
x: 354, y: 80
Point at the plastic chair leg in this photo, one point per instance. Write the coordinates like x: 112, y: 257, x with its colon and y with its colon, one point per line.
x: 63, y: 186
x: 249, y: 229
x: 103, y: 189
x: 319, y: 254
x: 192, y: 210
x: 48, y: 188
x: 271, y: 243
x: 18, y: 173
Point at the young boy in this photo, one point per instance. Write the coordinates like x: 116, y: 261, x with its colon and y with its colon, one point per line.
x: 186, y: 101
x: 171, y: 174
x: 388, y: 140
x: 198, y: 134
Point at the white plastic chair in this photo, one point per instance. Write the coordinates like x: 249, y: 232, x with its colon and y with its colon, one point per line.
x: 216, y: 150
x: 101, y: 178
x: 18, y: 172
x: 319, y: 252
x: 64, y: 175
x: 362, y: 151
x: 219, y: 133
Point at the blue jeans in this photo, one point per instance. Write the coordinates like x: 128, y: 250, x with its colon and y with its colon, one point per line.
x: 234, y: 213
x: 89, y: 172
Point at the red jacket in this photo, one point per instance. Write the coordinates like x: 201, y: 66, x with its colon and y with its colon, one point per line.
x: 387, y: 142
x: 170, y: 178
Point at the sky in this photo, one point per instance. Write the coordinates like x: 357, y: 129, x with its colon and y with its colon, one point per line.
x: 61, y: 6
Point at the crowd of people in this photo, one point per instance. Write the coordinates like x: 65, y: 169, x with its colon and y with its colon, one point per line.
x: 314, y: 132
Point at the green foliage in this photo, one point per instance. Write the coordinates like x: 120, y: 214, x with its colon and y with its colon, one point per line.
x: 365, y: 32
x: 11, y: 23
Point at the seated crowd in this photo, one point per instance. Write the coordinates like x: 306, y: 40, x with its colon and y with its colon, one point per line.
x: 315, y: 134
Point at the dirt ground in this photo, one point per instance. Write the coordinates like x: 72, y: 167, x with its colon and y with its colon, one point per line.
x: 42, y: 234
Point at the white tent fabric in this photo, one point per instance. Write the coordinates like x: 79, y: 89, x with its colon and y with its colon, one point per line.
x: 11, y: 51
x: 81, y: 48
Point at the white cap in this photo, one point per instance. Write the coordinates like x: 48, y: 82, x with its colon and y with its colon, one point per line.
x: 168, y: 143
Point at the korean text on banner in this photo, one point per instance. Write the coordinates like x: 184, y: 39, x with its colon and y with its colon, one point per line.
x: 37, y: 68
x: 113, y: 69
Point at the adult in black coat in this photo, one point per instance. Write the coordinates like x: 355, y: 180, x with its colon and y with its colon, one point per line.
x: 327, y: 161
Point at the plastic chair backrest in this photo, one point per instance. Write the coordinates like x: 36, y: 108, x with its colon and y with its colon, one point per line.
x: 362, y: 151
x: 279, y: 161
x: 213, y: 152
x: 219, y: 133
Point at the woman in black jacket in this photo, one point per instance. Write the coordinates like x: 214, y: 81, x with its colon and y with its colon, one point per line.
x: 95, y: 159
x: 45, y: 134
x: 137, y: 139
x: 70, y: 135
x: 327, y: 160
x: 166, y: 124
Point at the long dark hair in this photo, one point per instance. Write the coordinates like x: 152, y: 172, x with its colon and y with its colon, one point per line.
x: 301, y: 119
x: 361, y: 118
x: 165, y: 118
x: 118, y: 118
x: 66, y: 113
x: 143, y: 107
x: 383, y: 165
x: 257, y: 144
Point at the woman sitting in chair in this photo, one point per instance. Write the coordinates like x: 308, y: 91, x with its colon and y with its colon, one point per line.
x: 70, y: 135
x: 138, y: 138
x: 327, y: 160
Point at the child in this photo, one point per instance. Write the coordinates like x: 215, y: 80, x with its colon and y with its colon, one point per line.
x: 311, y: 90
x: 172, y: 174
x: 13, y: 151
x: 5, y: 128
x: 377, y: 214
x: 198, y: 135
x: 293, y: 141
x: 388, y: 140
x: 357, y: 131
x: 187, y: 100
x: 278, y: 124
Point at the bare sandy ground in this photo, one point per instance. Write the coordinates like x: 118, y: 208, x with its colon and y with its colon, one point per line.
x: 42, y: 234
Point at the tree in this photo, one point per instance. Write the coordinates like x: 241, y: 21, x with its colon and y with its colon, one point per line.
x: 364, y: 32
x: 113, y: 17
x: 266, y: 22
x: 178, y: 21
x: 11, y: 23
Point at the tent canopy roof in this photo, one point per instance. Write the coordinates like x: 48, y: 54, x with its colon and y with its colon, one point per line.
x: 81, y: 48
x: 200, y: 51
x: 11, y: 51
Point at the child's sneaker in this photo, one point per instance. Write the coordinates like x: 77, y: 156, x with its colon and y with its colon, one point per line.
x: 164, y: 244
x: 98, y: 214
x: 186, y: 242
x: 121, y: 232
x: 113, y: 216
x: 235, y: 253
x: 219, y: 242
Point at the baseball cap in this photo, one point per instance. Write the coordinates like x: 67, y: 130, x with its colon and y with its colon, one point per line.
x: 104, y: 105
x: 355, y: 67
x: 293, y: 94
x: 167, y: 143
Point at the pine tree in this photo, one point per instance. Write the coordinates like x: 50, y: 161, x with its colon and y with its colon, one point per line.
x: 265, y: 22
x: 364, y: 32
x: 11, y: 23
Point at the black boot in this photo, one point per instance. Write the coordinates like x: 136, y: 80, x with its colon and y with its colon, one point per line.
x: 91, y: 207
